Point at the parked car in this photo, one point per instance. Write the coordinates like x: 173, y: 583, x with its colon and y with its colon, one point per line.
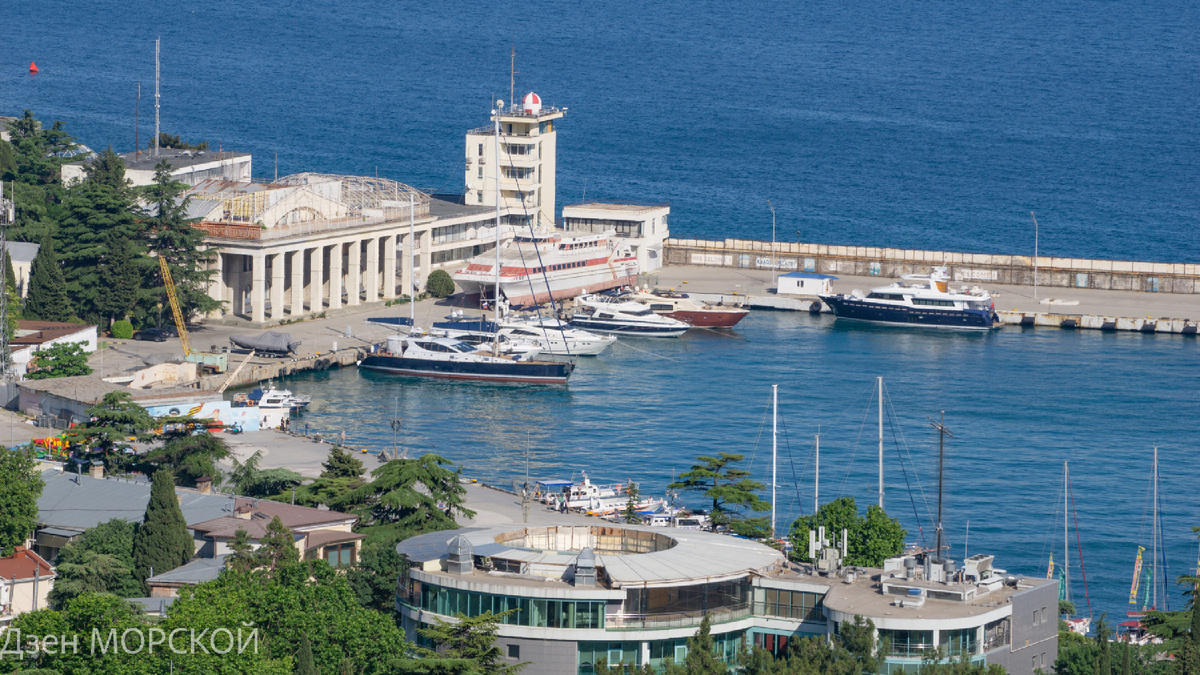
x: 153, y: 335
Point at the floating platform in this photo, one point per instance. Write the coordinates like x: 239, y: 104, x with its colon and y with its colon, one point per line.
x: 1098, y: 322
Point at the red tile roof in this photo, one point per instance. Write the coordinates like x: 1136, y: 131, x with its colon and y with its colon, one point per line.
x: 24, y: 564
x: 294, y: 516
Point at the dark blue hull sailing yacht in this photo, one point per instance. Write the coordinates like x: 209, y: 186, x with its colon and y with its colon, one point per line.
x: 927, y: 302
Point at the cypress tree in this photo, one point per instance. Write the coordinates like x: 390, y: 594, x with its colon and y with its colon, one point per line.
x: 47, y: 300
x: 304, y: 659
x: 162, y: 542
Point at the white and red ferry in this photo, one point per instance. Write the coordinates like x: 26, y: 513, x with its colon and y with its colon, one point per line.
x: 572, y: 263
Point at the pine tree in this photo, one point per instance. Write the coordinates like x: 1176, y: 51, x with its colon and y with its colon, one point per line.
x: 341, y: 464
x: 174, y: 237
x: 727, y: 487
x: 304, y: 659
x: 108, y: 169
x: 99, y: 217
x: 242, y: 559
x: 162, y: 541
x: 278, y: 546
x: 120, y: 279
x: 47, y: 299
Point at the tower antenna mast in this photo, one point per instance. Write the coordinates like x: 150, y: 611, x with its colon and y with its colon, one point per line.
x: 157, y: 74
x: 512, y: 77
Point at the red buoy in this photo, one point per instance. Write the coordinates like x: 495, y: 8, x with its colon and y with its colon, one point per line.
x: 33, y: 67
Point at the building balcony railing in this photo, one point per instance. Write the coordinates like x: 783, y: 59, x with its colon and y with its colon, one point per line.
x: 674, y: 619
x: 913, y: 650
x: 252, y: 232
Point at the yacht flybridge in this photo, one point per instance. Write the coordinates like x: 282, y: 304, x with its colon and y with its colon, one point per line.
x: 926, y: 300
x: 607, y: 314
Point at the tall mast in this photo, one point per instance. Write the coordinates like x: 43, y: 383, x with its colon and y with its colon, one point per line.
x: 1066, y: 566
x: 412, y: 304
x: 774, y: 449
x: 1154, y: 530
x: 157, y: 72
x: 137, y: 124
x: 496, y: 295
x: 943, y: 432
x: 817, y: 477
x: 880, y: 442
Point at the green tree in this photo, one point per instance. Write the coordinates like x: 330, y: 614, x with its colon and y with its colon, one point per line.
x: 61, y: 359
x: 729, y: 488
x: 47, y: 297
x: 98, y: 561
x: 97, y: 218
x: 175, y: 238
x: 342, y: 464
x: 190, y: 457
x: 20, y: 487
x: 162, y: 541
x: 114, y: 419
x: 277, y: 547
x: 415, y: 495
x: 701, y: 659
x: 1103, y: 654
x: 872, y: 538
x: 439, y: 284
x: 470, y: 638
x: 37, y: 154
x: 119, y: 278
x: 304, y: 659
x: 108, y: 169
x: 631, y: 503
x: 242, y: 558
x: 166, y: 140
x: 379, y: 566
x: 249, y: 480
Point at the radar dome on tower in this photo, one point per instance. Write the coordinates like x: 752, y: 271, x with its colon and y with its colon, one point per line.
x: 532, y: 103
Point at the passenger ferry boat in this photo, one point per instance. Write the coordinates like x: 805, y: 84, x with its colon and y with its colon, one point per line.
x: 573, y: 264
x: 925, y: 301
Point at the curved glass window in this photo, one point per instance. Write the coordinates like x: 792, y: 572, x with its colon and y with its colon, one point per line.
x: 536, y: 612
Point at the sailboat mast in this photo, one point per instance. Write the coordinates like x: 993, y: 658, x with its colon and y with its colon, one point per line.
x: 941, y: 459
x: 496, y: 295
x: 1154, y: 531
x: 412, y: 303
x: 1066, y: 566
x: 817, y: 479
x: 774, y: 449
x: 880, y: 442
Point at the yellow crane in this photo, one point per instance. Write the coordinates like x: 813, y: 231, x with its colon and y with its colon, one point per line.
x: 212, y: 362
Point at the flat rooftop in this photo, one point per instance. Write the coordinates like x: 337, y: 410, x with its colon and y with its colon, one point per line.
x: 443, y: 206
x: 145, y: 161
x: 616, y: 207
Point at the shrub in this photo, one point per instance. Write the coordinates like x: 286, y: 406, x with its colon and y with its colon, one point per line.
x: 122, y: 330
x: 439, y: 284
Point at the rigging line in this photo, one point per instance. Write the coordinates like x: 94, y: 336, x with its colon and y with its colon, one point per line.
x: 854, y: 450
x: 1079, y: 547
x: 1049, y: 540
x: 916, y: 474
x: 625, y: 343
x: 1162, y: 546
x: 532, y: 235
x: 904, y: 472
x: 761, y: 426
x: 792, y: 463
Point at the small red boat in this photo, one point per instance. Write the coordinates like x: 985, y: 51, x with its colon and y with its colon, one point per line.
x: 680, y: 307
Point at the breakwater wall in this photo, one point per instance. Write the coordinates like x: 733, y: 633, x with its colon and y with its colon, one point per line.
x: 256, y: 372
x: 869, y: 261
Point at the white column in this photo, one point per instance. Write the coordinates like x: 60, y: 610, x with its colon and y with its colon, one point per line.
x: 354, y: 278
x: 406, y: 275
x: 371, y: 280
x: 277, y: 275
x: 335, y: 276
x: 389, y: 267
x: 316, y: 279
x: 297, y: 282
x: 426, y: 245
x: 258, y: 287
x: 216, y: 287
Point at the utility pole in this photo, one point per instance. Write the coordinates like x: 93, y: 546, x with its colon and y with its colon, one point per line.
x: 157, y: 75
x: 943, y: 432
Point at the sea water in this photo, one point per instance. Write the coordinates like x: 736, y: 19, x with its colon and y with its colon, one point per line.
x: 905, y: 124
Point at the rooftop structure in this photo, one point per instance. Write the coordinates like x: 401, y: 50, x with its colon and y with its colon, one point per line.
x: 187, y: 166
x: 25, y: 582
x: 635, y: 594
x: 643, y: 226
x: 34, y: 336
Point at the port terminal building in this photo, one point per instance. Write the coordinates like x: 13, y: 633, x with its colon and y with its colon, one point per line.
x: 630, y: 594
x: 305, y: 244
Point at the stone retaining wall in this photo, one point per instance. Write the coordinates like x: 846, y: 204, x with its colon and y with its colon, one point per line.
x: 1115, y: 275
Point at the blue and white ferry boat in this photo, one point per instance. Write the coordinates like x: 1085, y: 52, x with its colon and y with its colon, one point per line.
x: 925, y: 300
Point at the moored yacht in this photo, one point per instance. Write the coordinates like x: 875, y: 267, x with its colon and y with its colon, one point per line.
x: 550, y: 335
x: 925, y: 301
x: 606, y: 314
x: 693, y: 312
x: 453, y: 359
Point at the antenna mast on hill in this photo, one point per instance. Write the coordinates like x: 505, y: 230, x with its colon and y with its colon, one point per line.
x: 157, y: 73
x: 512, y: 75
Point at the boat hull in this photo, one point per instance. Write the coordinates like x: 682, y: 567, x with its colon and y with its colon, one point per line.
x: 519, y: 295
x: 701, y: 319
x: 865, y: 310
x: 594, y: 326
x: 534, y: 372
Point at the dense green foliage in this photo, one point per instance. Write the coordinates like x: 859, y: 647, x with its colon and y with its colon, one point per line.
x: 439, y: 284
x: 47, y: 297
x: 110, y: 422
x: 98, y: 561
x: 61, y: 359
x: 414, y: 495
x: 249, y: 480
x: 341, y: 464
x: 20, y: 487
x: 162, y: 541
x: 173, y: 238
x: 122, y: 330
x: 471, y: 639
x: 190, y: 457
x: 730, y: 489
x: 872, y: 538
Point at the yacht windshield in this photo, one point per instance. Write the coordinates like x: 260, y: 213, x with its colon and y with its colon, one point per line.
x: 463, y: 347
x: 639, y: 312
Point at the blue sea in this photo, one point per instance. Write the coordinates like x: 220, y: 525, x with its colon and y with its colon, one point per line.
x: 907, y: 124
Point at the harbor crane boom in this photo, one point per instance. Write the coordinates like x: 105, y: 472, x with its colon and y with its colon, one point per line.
x: 178, y: 314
